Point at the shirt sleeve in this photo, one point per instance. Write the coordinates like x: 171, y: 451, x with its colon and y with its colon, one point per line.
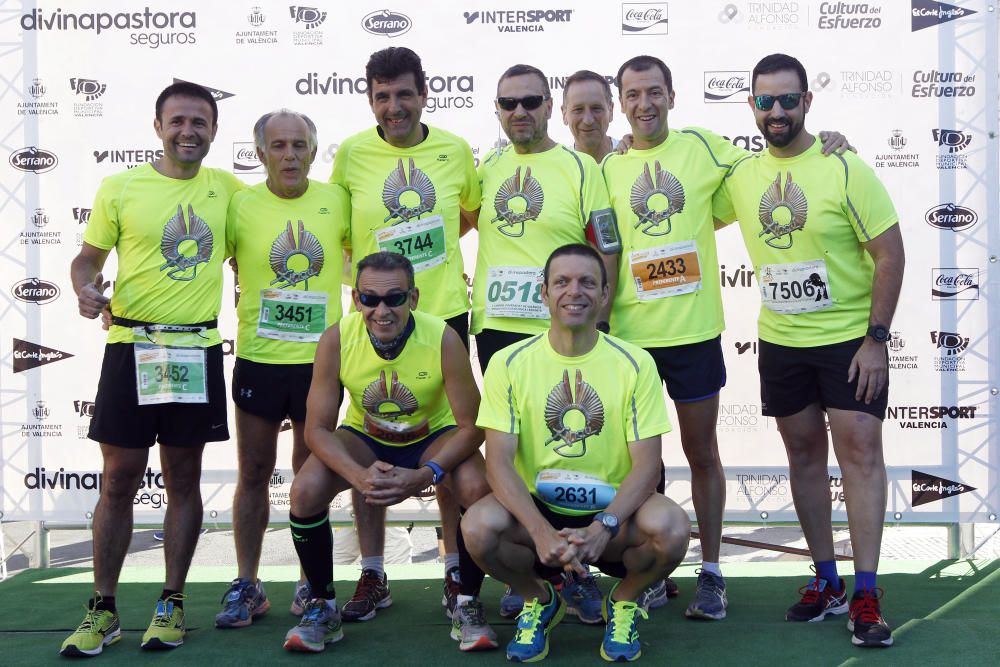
x: 339, y: 173
x: 721, y: 150
x: 472, y: 193
x: 104, y: 225
x: 722, y: 204
x: 867, y: 204
x: 231, y: 217
x: 498, y: 409
x: 648, y: 411
x: 595, y: 191
x: 343, y: 211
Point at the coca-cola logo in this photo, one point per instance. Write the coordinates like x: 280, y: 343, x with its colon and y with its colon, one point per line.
x: 245, y: 160
x: 955, y: 283
x: 35, y: 290
x: 951, y: 216
x: 387, y: 23
x: 644, y: 18
x: 726, y: 87
x: 33, y: 159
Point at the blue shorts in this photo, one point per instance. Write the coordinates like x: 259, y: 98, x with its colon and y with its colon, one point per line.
x: 407, y: 456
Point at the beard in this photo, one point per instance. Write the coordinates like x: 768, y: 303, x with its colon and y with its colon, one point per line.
x: 781, y: 136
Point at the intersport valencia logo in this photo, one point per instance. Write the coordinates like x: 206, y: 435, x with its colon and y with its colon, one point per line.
x: 386, y: 23
x: 928, y: 488
x: 928, y: 13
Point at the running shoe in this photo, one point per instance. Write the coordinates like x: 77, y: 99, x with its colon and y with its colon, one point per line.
x: 582, y: 597
x: 166, y: 630
x: 371, y: 594
x: 99, y: 628
x: 710, y: 600
x: 621, y: 636
x: 510, y: 603
x: 242, y: 602
x: 303, y: 593
x: 534, y: 623
x: 818, y: 601
x: 470, y: 629
x: 450, y: 591
x: 654, y: 597
x: 320, y: 625
x: 865, y: 620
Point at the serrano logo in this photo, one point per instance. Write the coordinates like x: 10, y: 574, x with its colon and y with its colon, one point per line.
x: 927, y: 488
x: 951, y: 216
x: 35, y: 290
x: 646, y: 18
x: 33, y: 159
x: 387, y: 23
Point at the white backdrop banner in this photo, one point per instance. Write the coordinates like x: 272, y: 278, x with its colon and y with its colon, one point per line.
x: 912, y: 83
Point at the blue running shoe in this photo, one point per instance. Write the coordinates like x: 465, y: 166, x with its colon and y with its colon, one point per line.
x: 242, y: 602
x: 534, y: 623
x: 583, y: 598
x: 710, y: 599
x: 510, y: 603
x: 621, y: 637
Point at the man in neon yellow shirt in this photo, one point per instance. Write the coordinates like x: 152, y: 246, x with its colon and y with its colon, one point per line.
x: 573, y: 420
x: 161, y: 378
x: 410, y: 423
x: 287, y: 236
x: 409, y: 184
x: 828, y: 254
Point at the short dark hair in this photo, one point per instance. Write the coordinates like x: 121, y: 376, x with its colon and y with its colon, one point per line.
x: 520, y: 70
x: 641, y: 64
x: 186, y: 89
x: 386, y: 261
x: 392, y: 63
x: 581, y: 249
x: 779, y: 62
x: 587, y: 75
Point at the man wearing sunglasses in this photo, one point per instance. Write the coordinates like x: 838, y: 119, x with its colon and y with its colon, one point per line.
x: 287, y: 236
x: 409, y: 184
x: 410, y: 423
x: 537, y: 195
x: 826, y: 246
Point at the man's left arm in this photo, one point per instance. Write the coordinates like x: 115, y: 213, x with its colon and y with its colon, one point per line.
x: 870, y: 364
x: 596, y: 206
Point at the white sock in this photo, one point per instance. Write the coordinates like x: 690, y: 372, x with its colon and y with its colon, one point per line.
x: 711, y: 567
x: 463, y: 599
x: 376, y: 563
x: 450, y: 561
x: 332, y: 604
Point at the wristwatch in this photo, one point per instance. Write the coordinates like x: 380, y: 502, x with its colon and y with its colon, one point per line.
x: 879, y: 333
x: 609, y: 521
x: 436, y: 469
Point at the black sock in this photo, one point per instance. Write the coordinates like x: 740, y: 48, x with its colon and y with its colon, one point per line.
x: 470, y: 575
x: 313, y: 540
x: 178, y: 601
x: 104, y: 604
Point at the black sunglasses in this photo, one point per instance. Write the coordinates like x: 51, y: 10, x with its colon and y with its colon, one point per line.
x: 529, y: 102
x: 393, y: 300
x: 788, y: 101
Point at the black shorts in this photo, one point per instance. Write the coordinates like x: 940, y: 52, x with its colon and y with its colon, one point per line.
x: 559, y: 521
x: 119, y: 420
x: 692, y: 372
x: 460, y: 323
x: 406, y: 456
x: 272, y: 391
x: 491, y: 341
x: 792, y: 378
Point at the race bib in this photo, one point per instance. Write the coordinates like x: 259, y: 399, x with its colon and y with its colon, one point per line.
x: 573, y: 490
x: 666, y: 270
x: 169, y: 374
x: 791, y: 289
x: 421, y: 241
x: 292, y: 315
x: 515, y: 291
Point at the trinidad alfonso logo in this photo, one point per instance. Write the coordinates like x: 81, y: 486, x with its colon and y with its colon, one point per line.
x: 655, y: 198
x: 570, y: 419
x: 517, y: 202
x: 385, y: 402
x: 400, y: 189
x: 175, y: 233
x: 285, y: 248
x: 782, y: 213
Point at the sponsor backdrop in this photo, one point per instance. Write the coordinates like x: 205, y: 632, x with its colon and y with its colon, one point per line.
x: 891, y: 75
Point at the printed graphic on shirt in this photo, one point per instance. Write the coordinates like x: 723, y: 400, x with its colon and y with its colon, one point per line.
x: 384, y: 402
x: 401, y: 186
x: 285, y: 248
x: 655, y: 198
x: 517, y: 202
x: 178, y: 237
x: 782, y: 213
x: 573, y: 414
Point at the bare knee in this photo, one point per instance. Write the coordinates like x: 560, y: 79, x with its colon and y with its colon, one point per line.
x: 482, y: 525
